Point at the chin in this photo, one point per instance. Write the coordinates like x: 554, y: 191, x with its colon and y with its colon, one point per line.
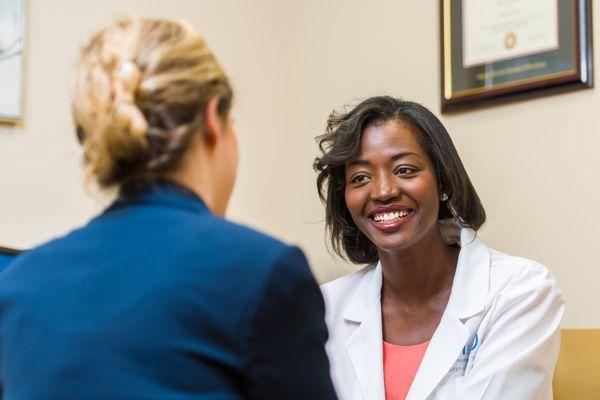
x: 392, y: 244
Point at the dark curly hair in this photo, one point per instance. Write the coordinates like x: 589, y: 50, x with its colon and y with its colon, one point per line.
x: 341, y: 143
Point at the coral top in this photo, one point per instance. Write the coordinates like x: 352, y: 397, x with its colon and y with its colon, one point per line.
x: 400, y: 365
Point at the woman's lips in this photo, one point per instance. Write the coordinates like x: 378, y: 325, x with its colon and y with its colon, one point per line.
x: 391, y: 221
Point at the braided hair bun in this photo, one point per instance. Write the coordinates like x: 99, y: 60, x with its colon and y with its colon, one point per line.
x: 138, y: 92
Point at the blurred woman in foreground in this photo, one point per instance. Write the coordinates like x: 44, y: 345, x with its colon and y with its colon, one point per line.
x: 159, y: 297
x: 437, y: 314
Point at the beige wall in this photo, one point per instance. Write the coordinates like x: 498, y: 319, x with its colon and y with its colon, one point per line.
x: 534, y: 163
x: 39, y: 161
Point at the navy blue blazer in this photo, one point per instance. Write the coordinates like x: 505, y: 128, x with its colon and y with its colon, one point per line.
x: 7, y: 256
x: 157, y: 298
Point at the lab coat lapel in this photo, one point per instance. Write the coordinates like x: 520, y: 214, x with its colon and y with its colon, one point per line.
x: 467, y: 300
x: 442, y: 352
x: 365, y: 346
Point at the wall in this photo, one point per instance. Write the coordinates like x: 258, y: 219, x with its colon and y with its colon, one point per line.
x: 533, y: 162
x: 40, y: 161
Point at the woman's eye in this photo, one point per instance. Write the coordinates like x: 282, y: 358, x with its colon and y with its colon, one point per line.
x: 359, y: 179
x: 405, y: 171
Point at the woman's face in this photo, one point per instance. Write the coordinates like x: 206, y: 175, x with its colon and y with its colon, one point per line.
x: 391, y: 188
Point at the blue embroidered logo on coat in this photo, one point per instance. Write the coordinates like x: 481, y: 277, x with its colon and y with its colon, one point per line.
x: 460, y: 365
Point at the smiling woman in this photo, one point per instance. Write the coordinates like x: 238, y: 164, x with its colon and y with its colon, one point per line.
x: 390, y: 162
x: 437, y: 314
x: 341, y: 145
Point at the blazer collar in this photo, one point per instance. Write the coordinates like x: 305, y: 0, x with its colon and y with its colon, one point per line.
x: 164, y: 192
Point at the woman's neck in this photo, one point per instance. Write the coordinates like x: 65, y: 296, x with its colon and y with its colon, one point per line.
x: 420, y: 275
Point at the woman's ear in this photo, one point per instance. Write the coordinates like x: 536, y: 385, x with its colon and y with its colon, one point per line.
x: 213, y: 124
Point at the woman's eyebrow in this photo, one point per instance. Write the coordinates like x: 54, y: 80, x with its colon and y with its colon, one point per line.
x: 398, y: 156
x: 358, y: 162
x: 395, y: 157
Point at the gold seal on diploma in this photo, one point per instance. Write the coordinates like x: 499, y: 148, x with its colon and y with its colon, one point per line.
x: 510, y: 40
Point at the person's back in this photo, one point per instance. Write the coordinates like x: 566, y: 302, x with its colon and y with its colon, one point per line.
x: 151, y: 300
x: 7, y: 256
x: 161, y: 298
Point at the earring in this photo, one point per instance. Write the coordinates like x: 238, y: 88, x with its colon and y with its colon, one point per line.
x: 444, y: 197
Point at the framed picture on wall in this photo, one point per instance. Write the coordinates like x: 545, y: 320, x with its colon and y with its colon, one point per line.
x: 12, y: 42
x: 495, y: 51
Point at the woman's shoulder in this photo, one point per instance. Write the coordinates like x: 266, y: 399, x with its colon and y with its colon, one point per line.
x: 511, y: 274
x: 344, y: 284
x: 240, y: 236
x: 339, y: 294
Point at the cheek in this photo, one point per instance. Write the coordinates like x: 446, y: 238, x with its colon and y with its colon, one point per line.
x: 229, y: 156
x: 353, y: 202
x: 236, y: 152
x: 233, y: 151
x: 425, y: 192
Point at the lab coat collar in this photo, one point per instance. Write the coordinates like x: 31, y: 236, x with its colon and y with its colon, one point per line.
x: 471, y: 280
x: 442, y: 353
x: 469, y: 289
x: 467, y: 299
x: 364, y: 346
x: 367, y: 295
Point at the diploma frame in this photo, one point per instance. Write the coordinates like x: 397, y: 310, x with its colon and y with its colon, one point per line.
x: 566, y: 67
x: 12, y: 61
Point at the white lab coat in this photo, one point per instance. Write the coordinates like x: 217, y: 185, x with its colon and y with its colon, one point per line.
x: 498, y: 338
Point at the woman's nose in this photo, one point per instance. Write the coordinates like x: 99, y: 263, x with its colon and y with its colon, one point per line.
x: 385, y: 190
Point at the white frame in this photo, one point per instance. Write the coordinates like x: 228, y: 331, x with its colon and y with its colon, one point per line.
x: 12, y: 59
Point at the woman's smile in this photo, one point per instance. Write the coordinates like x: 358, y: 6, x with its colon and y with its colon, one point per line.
x: 390, y: 219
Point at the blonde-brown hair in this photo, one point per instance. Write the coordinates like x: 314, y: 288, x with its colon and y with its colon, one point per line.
x: 138, y: 93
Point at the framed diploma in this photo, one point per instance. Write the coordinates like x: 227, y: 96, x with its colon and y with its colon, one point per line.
x: 12, y: 34
x: 500, y: 50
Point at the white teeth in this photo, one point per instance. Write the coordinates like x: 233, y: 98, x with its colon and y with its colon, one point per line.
x: 391, y: 216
